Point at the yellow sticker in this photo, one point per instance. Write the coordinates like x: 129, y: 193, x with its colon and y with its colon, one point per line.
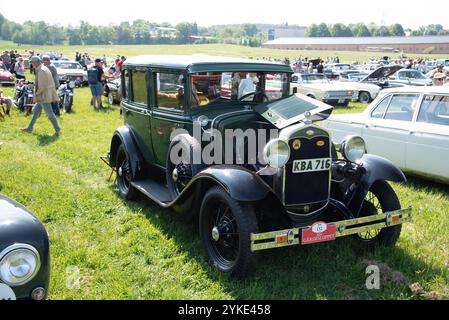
x: 320, y: 143
x: 297, y: 144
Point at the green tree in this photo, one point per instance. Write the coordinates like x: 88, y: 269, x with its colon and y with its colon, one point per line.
x: 323, y: 30
x: 74, y: 36
x: 382, y: 31
x: 361, y: 30
x: 312, y: 31
x: 341, y: 30
x: 397, y: 30
x: 184, y: 31
x: 249, y: 29
x: 124, y: 33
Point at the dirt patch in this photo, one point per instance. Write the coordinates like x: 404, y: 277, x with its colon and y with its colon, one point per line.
x: 390, y: 276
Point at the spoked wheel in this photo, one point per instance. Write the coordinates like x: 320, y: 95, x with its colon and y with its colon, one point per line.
x: 124, y: 175
x: 225, y: 229
x: 381, y: 198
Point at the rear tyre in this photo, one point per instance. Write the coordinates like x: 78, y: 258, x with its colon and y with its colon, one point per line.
x: 124, y: 175
x: 225, y: 230
x: 381, y: 198
x: 111, y: 99
x: 364, y: 97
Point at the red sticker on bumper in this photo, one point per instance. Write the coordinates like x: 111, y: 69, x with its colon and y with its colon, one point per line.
x: 319, y: 232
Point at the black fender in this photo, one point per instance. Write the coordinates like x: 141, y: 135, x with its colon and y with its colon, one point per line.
x: 375, y: 169
x: 378, y: 168
x: 124, y: 135
x: 240, y: 183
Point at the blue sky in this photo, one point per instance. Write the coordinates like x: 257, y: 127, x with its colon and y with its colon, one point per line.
x: 409, y: 13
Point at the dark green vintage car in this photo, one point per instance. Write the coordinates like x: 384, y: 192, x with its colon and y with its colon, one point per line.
x: 223, y: 140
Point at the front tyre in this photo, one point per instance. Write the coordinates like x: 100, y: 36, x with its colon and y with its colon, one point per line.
x: 364, y: 97
x: 225, y: 230
x: 124, y: 175
x: 381, y: 198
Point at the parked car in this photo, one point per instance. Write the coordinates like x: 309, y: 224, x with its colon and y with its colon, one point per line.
x: 367, y: 92
x: 6, y: 77
x: 24, y: 253
x: 112, y: 91
x: 409, y: 126
x: 381, y: 77
x: 338, y: 68
x: 411, y: 77
x: 317, y: 86
x: 288, y: 188
x: 71, y: 71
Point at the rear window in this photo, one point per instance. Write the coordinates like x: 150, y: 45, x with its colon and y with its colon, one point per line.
x: 139, y: 86
x: 435, y: 110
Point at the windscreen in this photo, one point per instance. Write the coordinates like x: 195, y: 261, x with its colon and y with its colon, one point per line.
x: 222, y: 87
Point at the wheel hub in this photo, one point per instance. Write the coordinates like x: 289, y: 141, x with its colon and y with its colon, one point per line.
x: 215, y: 234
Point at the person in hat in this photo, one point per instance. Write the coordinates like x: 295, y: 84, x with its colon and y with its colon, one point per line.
x: 438, y: 79
x: 45, y: 94
x: 438, y: 69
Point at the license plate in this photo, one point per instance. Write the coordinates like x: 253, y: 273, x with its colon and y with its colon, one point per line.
x: 318, y: 232
x: 312, y: 165
x: 341, y: 101
x: 6, y: 293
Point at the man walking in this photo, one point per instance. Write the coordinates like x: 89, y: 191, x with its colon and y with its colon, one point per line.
x: 46, y: 61
x: 45, y: 94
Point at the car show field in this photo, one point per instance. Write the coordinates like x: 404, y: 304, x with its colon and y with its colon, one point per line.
x: 105, y: 248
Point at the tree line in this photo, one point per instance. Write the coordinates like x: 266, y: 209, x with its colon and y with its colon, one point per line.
x: 135, y: 32
x: 371, y: 30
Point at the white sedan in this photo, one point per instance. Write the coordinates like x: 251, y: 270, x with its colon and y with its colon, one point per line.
x: 407, y: 125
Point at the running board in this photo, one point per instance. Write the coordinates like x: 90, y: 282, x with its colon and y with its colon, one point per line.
x: 154, y: 190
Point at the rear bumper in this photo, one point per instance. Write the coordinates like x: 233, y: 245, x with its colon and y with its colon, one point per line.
x: 292, y: 237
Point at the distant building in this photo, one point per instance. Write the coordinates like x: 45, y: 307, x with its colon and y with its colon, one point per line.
x: 426, y: 44
x: 164, y: 32
x: 286, y: 32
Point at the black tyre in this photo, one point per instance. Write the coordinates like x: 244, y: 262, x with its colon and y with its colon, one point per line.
x: 181, y: 170
x: 124, y: 175
x: 68, y: 103
x: 225, y: 230
x: 364, y: 97
x: 380, y: 199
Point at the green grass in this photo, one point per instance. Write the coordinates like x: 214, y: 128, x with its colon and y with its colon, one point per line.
x: 210, y: 49
x: 137, y: 250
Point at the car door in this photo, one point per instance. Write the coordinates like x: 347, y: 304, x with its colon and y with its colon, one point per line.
x: 428, y: 147
x: 387, y: 131
x: 136, y: 111
x: 169, y: 111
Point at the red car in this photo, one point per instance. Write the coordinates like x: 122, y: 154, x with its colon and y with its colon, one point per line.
x: 6, y: 77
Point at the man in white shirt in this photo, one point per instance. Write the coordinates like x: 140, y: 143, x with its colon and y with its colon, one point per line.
x: 248, y: 85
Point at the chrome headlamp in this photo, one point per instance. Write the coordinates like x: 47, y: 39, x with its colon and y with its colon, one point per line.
x: 353, y: 148
x: 276, y: 153
x: 19, y: 264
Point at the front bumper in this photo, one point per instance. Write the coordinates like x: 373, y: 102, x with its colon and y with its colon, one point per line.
x: 292, y: 237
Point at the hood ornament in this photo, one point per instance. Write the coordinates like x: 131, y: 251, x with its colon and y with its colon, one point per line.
x: 308, y: 118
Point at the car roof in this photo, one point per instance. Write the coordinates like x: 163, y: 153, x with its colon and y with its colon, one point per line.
x: 201, y: 63
x: 418, y: 89
x: 65, y: 61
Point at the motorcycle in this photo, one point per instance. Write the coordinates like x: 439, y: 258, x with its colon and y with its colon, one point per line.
x: 65, y: 94
x: 24, y: 96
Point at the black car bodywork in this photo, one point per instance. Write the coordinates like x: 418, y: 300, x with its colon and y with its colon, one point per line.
x: 18, y: 226
x: 260, y: 198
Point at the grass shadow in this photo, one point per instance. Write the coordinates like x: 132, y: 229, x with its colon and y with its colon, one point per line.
x: 45, y: 139
x: 425, y: 185
x: 335, y: 270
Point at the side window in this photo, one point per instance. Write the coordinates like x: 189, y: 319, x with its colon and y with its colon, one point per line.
x: 379, y: 110
x: 170, y: 90
x: 139, y: 86
x: 402, y: 107
x: 125, y: 84
x: 435, y: 110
